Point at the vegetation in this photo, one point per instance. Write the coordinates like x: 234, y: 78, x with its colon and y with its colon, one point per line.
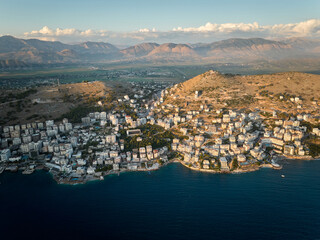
x: 235, y: 163
x: 104, y: 168
x: 153, y: 135
x: 75, y: 114
x: 266, y: 114
x: 160, y: 140
x: 205, y: 156
x: 128, y: 110
x: 18, y: 96
x: 210, y: 143
x: 313, y: 143
x: 174, y: 155
x: 218, y: 165
x: 309, y: 125
x: 235, y: 102
x: 149, y: 130
x: 314, y: 149
x: 33, y: 116
x: 283, y: 115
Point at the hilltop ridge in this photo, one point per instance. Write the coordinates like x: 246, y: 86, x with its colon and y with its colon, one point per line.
x: 266, y: 91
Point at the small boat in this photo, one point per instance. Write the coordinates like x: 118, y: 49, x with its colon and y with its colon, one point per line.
x: 28, y: 171
x: 283, y: 176
x: 274, y: 164
x: 12, y: 168
x: 101, y: 178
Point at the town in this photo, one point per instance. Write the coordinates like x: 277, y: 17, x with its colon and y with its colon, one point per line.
x: 144, y: 132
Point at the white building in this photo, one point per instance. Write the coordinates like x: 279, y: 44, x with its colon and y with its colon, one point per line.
x: 5, y: 155
x: 224, y: 163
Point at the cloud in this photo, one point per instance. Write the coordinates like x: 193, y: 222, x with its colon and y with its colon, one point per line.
x: 226, y: 27
x: 206, y: 33
x: 309, y: 28
x: 146, y: 30
x: 46, y: 31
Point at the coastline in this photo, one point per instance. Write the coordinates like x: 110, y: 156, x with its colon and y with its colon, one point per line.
x: 252, y: 169
x: 305, y: 158
x: 90, y: 178
x: 103, y: 174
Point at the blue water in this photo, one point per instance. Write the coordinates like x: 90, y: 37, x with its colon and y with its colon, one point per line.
x: 172, y: 203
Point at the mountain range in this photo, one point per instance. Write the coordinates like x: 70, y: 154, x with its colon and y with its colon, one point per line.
x: 15, y: 52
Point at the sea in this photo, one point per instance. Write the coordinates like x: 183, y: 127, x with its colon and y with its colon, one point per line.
x: 171, y: 203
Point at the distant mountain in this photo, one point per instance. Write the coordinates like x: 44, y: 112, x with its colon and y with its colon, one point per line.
x: 34, y: 51
x: 15, y: 53
x: 97, y: 47
x: 96, y: 51
x: 153, y: 52
x: 306, y: 45
x: 172, y: 50
x: 7, y: 64
x: 253, y: 48
x: 139, y: 50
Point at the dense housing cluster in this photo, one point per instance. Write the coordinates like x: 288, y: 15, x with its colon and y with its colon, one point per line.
x: 144, y: 131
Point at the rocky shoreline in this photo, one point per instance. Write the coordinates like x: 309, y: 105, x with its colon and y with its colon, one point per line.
x: 76, y: 180
x: 251, y: 169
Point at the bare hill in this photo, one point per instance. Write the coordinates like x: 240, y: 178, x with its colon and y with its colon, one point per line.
x: 139, y: 50
x: 169, y: 49
x: 254, y: 48
x: 50, y: 101
x: 262, y: 91
x: 292, y: 82
x: 34, y: 51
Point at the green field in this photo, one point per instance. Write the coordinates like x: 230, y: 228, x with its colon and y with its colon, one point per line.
x: 131, y: 72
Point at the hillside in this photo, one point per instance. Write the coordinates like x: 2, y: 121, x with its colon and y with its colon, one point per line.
x: 96, y: 47
x: 139, y: 50
x: 50, y: 101
x: 254, y: 48
x: 35, y: 51
x: 268, y: 91
x: 171, y: 49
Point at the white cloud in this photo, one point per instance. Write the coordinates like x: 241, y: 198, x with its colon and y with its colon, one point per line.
x: 143, y: 30
x: 45, y: 31
x: 66, y: 32
x: 207, y: 33
x: 226, y: 27
x: 309, y: 28
x: 146, y: 30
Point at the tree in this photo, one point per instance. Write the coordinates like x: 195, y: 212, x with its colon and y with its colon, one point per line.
x: 218, y: 165
x: 235, y: 164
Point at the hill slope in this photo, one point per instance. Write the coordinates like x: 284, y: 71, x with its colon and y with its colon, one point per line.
x: 256, y: 91
x: 35, y: 51
x: 139, y: 50
x: 254, y: 48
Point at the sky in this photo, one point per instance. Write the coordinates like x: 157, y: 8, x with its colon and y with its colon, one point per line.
x: 135, y: 21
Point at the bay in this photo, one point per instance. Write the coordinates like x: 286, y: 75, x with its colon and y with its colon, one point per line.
x: 171, y: 203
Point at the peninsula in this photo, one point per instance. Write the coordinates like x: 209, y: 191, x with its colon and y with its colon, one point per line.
x: 215, y: 122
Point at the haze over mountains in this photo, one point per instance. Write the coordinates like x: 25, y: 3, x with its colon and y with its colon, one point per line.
x: 15, y: 53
